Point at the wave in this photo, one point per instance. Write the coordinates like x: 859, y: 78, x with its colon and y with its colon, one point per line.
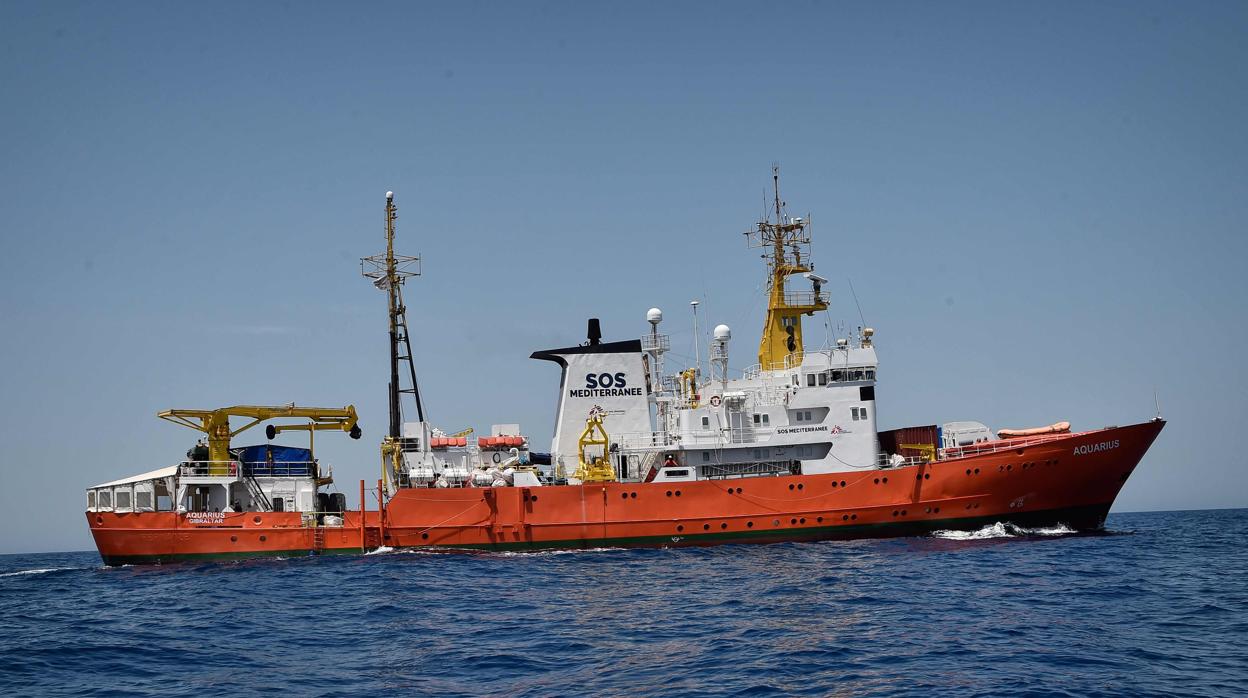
x: 1004, y: 530
x: 42, y: 570
x: 380, y: 551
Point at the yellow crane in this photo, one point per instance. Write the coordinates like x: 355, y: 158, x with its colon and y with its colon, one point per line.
x: 216, y: 424
x: 594, y: 468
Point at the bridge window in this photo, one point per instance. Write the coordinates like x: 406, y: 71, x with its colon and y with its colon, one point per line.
x: 91, y: 499
x: 706, y: 456
x: 838, y: 376
x: 870, y: 374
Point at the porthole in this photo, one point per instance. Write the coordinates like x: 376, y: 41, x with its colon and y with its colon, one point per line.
x: 632, y: 495
x: 535, y: 498
x: 233, y: 539
x: 723, y: 525
x: 845, y: 517
x: 263, y: 538
x: 255, y: 519
x: 623, y: 495
x: 802, y: 520
x: 820, y: 519
x: 424, y: 536
x: 800, y: 486
x: 677, y: 493
x: 775, y: 522
x: 792, y: 522
x: 842, y: 483
x: 706, y: 527
x: 877, y: 480
x: 853, y: 517
x: 977, y: 470
x: 790, y: 486
x: 669, y: 493
x: 680, y: 528
x: 927, y: 476
x: 834, y: 483
x: 885, y: 479
x: 749, y: 524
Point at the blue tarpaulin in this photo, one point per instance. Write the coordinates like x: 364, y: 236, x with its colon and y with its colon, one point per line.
x: 271, y: 459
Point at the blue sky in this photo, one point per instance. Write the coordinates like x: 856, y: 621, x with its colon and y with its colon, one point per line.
x: 1041, y: 207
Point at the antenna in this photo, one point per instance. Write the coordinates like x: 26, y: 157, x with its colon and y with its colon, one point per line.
x: 1156, y: 403
x: 855, y: 295
x: 697, y: 357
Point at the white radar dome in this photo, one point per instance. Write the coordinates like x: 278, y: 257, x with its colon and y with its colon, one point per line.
x: 389, y: 195
x: 654, y: 316
x: 723, y: 333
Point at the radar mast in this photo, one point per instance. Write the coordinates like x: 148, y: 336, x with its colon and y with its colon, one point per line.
x: 787, y: 244
x: 388, y: 272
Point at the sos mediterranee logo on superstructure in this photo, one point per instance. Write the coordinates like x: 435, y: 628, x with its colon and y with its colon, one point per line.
x: 605, y: 385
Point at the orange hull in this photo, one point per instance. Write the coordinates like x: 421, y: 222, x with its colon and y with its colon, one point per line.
x: 1068, y: 478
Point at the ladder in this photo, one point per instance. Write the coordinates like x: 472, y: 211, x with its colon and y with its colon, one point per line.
x: 318, y: 539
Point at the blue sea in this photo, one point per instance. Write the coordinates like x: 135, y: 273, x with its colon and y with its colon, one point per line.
x: 1156, y: 606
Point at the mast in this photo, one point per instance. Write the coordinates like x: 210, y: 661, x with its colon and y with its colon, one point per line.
x: 388, y: 273
x: 787, y: 241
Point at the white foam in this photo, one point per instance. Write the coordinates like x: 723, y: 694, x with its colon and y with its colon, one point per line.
x: 1003, y: 530
x: 380, y: 551
x: 38, y: 571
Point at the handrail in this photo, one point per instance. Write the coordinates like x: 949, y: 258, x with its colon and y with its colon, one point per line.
x: 233, y: 468
x: 1003, y: 445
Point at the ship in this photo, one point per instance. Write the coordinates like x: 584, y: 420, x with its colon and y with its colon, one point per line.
x: 786, y: 449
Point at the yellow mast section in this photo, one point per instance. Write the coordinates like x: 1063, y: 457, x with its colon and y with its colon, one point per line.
x: 216, y: 424
x: 787, y: 241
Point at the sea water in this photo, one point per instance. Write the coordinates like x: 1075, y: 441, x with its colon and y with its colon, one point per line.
x: 1157, y: 605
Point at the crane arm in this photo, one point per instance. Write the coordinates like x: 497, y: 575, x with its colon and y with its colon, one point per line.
x: 216, y: 423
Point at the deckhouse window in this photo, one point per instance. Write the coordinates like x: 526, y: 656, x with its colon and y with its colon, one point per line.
x: 837, y: 376
x: 758, y: 419
x: 706, y: 456
x: 870, y: 374
x: 823, y: 379
x: 706, y: 421
x: 855, y: 412
x: 810, y: 379
x: 766, y: 419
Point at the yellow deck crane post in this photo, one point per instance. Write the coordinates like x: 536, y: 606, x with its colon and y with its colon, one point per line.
x: 216, y: 424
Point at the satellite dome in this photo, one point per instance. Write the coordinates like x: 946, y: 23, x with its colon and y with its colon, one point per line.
x: 654, y: 316
x: 723, y: 333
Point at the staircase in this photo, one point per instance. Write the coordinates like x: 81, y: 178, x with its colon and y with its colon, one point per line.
x: 258, y: 498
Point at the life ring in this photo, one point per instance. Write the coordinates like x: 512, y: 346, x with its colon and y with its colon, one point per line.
x: 233, y: 468
x: 715, y: 400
